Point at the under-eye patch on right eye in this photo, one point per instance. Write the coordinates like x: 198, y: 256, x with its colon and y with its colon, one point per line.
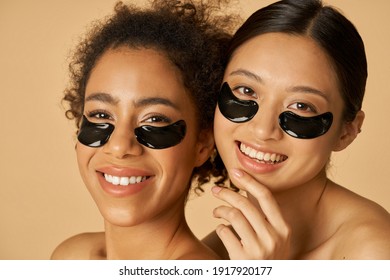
x: 234, y: 109
x: 157, y: 137
x: 94, y: 134
x: 305, y: 127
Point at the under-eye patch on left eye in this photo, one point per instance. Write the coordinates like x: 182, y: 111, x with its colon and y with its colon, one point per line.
x: 156, y: 137
x: 97, y: 134
x: 94, y: 134
x: 234, y: 109
x: 305, y: 127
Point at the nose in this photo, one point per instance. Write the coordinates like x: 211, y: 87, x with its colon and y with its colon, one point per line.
x: 122, y: 143
x: 265, y: 125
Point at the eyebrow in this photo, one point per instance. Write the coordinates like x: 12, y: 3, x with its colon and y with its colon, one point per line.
x: 307, y: 89
x: 257, y: 78
x: 143, y: 102
x: 102, y: 97
x: 246, y: 73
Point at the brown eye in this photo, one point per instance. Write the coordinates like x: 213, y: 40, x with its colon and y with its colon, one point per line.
x: 158, y: 119
x: 246, y: 91
x: 99, y: 115
x: 302, y: 107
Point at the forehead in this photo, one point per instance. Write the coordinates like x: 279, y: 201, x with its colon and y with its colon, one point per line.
x: 135, y: 65
x: 135, y: 70
x: 286, y: 58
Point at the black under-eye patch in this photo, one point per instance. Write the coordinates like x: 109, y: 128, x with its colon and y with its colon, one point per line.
x: 163, y: 137
x: 94, y: 134
x: 97, y: 134
x: 234, y: 109
x: 305, y: 127
x: 238, y: 111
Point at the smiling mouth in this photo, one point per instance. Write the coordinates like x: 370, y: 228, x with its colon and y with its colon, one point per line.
x: 124, y: 181
x: 268, y: 158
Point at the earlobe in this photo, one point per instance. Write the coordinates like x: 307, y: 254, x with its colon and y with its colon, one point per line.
x: 205, y: 146
x: 350, y: 131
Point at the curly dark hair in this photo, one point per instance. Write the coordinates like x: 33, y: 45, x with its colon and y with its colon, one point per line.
x: 193, y: 36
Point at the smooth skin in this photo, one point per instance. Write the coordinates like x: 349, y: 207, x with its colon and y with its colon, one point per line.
x: 291, y: 210
x: 129, y: 88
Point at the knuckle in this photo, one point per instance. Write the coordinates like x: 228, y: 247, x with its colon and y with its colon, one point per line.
x: 270, y: 248
x: 286, y: 232
x: 257, y: 253
x: 233, y: 214
x: 264, y: 193
x: 242, y: 202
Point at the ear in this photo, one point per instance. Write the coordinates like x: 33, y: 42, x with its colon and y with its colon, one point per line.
x: 349, y: 132
x: 205, y: 146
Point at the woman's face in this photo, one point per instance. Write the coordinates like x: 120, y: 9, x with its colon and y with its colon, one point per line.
x: 280, y: 73
x: 130, y: 182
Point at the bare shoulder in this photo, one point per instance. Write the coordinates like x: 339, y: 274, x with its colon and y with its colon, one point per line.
x: 80, y: 247
x: 365, y: 232
x: 199, y: 252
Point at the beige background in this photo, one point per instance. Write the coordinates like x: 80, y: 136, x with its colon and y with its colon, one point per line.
x: 42, y: 198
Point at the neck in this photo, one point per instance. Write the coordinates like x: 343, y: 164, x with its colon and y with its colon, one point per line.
x: 157, y: 238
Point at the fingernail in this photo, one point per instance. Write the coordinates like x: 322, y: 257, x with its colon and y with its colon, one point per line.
x: 216, y: 189
x: 237, y: 173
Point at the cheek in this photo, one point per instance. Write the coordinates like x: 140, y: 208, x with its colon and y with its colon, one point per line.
x: 178, y: 162
x: 224, y: 139
x: 176, y: 170
x: 222, y: 128
x: 84, y: 155
x: 313, y: 154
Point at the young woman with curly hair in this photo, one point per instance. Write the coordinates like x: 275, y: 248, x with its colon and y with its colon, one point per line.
x: 142, y: 94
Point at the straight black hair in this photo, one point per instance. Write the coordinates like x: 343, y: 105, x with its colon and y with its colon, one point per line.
x: 337, y: 36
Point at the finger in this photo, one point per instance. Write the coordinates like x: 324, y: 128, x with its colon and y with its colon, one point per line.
x: 238, y: 221
x: 247, y: 220
x: 253, y: 214
x: 230, y: 241
x: 235, y: 199
x: 263, y: 195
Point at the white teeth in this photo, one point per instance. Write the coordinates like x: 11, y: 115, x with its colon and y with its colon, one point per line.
x: 124, y: 181
x: 115, y: 180
x: 132, y: 180
x: 260, y: 155
x: 267, y: 157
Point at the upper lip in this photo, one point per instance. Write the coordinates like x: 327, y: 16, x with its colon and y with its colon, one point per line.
x: 124, y: 171
x: 262, y: 154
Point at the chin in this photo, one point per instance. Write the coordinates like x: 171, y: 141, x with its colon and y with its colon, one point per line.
x: 122, y: 217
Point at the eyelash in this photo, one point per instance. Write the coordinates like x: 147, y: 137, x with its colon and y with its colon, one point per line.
x: 311, y: 108
x: 157, y: 119
x: 104, y: 115
x: 99, y: 114
x: 241, y: 90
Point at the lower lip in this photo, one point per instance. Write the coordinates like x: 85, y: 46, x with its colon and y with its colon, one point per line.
x: 255, y: 166
x: 121, y: 191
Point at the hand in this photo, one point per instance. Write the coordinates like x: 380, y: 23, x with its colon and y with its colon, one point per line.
x: 261, y: 231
